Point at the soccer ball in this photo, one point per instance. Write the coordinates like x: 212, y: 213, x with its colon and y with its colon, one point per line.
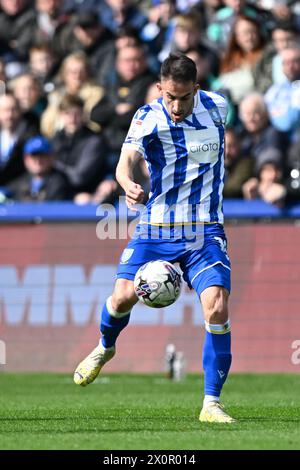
x: 157, y: 284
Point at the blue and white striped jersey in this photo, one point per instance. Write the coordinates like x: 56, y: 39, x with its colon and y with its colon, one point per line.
x: 185, y: 160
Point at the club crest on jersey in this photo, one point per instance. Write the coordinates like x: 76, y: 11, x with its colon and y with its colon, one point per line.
x: 215, y: 115
x: 126, y: 255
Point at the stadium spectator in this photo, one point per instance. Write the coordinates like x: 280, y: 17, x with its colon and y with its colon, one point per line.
x: 48, y: 20
x: 283, y: 10
x: 124, y: 94
x: 189, y: 35
x: 204, y: 78
x: 115, y: 14
x: 268, y: 186
x: 259, y: 138
x: 159, y: 28
x: 85, y: 33
x: 124, y: 37
x: 80, y: 152
x: 220, y: 27
x: 269, y: 70
x: 207, y: 10
x: 27, y: 90
x: 16, y: 24
x: 15, y: 129
x: 41, y: 181
x: 43, y: 65
x: 283, y: 99
x: 238, y: 166
x: 75, y: 80
x: 244, y: 50
x: 152, y: 93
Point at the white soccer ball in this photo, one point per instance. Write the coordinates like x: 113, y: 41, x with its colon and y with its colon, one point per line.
x: 157, y: 284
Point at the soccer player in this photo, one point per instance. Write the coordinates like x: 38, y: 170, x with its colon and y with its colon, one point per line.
x: 181, y: 136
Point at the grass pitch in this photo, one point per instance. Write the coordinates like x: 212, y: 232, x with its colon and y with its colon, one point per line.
x: 47, y: 411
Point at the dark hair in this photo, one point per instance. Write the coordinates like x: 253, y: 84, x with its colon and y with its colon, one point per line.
x: 179, y: 68
x: 285, y: 25
x: 71, y: 101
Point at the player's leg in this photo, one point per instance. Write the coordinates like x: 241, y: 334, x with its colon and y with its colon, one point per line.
x: 115, y: 317
x: 216, y: 352
x: 207, y: 269
x: 116, y: 312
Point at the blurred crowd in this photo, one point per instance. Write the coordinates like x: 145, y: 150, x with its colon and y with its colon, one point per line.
x: 73, y: 73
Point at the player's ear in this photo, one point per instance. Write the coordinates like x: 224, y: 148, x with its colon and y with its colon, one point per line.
x: 196, y: 88
x: 159, y: 87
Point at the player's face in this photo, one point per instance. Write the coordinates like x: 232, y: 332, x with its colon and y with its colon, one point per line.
x: 178, y: 98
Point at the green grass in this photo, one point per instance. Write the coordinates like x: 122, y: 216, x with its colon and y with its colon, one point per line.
x: 45, y: 411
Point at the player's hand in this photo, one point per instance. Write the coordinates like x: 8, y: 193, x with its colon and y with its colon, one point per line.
x: 134, y: 194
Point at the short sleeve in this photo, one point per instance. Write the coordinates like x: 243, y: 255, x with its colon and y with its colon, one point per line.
x: 142, y: 125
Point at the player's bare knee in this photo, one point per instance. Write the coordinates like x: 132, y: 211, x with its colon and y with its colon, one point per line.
x: 123, y: 297
x: 215, y: 306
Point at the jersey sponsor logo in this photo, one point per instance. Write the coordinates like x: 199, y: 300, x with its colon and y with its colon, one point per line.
x: 202, y: 145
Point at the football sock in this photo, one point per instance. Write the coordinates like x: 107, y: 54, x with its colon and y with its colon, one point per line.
x: 209, y: 399
x: 216, y: 358
x: 112, y: 323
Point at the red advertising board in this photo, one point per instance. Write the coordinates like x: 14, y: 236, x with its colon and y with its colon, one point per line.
x: 54, y: 279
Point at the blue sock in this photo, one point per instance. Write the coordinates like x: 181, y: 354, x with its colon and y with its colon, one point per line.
x: 216, y: 357
x: 112, y: 323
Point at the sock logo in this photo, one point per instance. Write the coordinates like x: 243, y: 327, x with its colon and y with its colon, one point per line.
x: 221, y: 374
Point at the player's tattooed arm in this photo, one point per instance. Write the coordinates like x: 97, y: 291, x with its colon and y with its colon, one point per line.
x: 134, y: 192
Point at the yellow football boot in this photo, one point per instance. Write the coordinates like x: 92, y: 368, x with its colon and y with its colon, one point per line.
x: 89, y: 368
x: 214, y: 412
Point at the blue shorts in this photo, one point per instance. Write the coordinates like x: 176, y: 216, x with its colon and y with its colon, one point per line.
x: 204, y: 262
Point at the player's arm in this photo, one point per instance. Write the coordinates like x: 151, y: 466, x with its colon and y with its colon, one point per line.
x: 124, y: 174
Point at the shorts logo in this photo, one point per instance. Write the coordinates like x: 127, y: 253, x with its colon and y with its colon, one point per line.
x: 126, y: 255
x: 223, y: 245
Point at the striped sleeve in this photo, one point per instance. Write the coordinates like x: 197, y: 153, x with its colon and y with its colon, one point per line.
x: 142, y: 125
x: 221, y: 103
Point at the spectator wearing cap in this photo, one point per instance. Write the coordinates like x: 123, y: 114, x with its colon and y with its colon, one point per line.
x: 85, y: 33
x: 80, y: 152
x: 15, y: 129
x: 258, y: 137
x: 41, y: 181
